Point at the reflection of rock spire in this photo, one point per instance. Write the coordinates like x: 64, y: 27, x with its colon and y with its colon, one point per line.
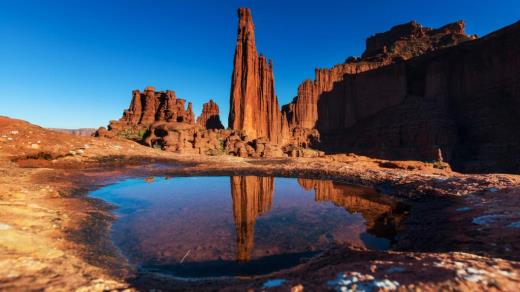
x: 252, y: 196
x: 382, y: 213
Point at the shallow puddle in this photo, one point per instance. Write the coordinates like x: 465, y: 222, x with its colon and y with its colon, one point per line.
x: 243, y: 225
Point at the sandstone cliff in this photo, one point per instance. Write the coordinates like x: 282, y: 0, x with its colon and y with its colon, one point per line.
x: 416, y: 91
x: 402, y: 42
x: 210, y: 116
x: 463, y: 100
x: 254, y: 106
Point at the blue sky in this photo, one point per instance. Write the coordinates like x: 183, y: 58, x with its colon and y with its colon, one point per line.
x: 74, y: 63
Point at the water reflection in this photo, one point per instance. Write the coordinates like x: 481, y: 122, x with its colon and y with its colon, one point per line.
x: 252, y: 196
x: 244, y: 225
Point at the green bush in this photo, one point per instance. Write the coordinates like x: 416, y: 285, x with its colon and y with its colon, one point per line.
x: 132, y: 134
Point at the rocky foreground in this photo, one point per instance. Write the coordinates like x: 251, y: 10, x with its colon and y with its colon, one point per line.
x: 463, y: 231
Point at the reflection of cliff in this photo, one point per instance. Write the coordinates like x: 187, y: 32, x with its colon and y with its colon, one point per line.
x: 252, y: 196
x: 382, y: 213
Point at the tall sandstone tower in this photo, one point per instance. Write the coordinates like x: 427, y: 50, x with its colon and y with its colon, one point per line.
x: 254, y: 106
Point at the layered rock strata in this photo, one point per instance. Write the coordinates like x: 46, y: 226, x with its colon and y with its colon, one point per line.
x: 254, y: 106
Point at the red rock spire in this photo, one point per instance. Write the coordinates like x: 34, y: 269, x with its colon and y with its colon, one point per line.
x: 254, y: 107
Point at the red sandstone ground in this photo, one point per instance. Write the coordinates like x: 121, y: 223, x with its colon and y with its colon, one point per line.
x: 462, y: 234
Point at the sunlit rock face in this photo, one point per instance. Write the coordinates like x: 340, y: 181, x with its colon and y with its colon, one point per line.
x: 147, y: 108
x: 254, y: 106
x: 153, y: 106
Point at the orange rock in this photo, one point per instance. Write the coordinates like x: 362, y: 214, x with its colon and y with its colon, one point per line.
x: 254, y: 105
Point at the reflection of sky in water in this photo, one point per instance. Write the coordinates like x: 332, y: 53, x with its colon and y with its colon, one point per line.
x: 208, y: 219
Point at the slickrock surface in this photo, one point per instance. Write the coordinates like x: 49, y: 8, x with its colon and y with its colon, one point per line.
x: 210, y: 116
x: 254, y: 106
x: 53, y: 237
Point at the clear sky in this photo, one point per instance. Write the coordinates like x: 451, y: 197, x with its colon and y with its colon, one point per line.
x: 73, y: 63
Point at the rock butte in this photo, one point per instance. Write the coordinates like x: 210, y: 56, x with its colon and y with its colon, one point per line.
x: 416, y: 93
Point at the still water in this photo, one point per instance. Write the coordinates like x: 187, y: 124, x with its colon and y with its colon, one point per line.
x: 243, y: 225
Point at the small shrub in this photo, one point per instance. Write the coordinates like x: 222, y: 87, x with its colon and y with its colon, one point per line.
x: 132, y: 134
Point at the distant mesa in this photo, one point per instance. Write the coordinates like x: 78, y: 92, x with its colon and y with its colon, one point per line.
x: 77, y: 132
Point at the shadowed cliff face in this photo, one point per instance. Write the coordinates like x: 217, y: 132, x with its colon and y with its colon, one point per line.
x: 254, y: 106
x: 416, y: 91
x: 463, y: 100
x: 402, y: 42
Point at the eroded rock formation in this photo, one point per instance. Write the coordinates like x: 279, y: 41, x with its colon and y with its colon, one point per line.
x: 254, y: 106
x: 147, y: 108
x: 252, y: 196
x: 210, y: 116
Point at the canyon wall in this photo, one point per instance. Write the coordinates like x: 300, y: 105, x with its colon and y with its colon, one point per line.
x: 402, y: 42
x: 254, y: 106
x: 416, y: 90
